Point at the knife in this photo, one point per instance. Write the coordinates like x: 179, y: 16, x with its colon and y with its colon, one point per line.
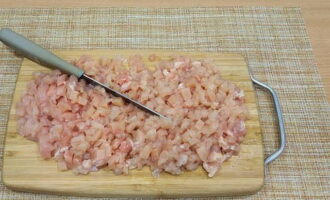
x: 42, y: 56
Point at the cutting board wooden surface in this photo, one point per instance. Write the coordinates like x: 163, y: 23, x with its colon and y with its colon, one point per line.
x: 25, y: 170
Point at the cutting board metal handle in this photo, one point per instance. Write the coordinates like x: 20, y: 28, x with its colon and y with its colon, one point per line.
x: 279, y: 114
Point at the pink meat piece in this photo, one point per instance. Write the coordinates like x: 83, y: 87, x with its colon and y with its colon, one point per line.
x: 84, y: 129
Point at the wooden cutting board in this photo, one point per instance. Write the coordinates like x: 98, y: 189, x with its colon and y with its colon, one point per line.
x: 25, y: 170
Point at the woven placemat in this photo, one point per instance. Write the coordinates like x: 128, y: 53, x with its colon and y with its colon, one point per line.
x: 273, y: 40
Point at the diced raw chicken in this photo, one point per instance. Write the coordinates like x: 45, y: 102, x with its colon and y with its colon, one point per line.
x: 84, y: 129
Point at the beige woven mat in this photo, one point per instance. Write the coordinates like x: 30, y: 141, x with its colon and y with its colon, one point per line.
x: 274, y: 41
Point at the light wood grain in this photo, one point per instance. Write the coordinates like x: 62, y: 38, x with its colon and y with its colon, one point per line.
x: 316, y: 14
x: 25, y: 170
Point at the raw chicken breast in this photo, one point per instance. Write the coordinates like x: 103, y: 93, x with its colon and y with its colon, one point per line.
x: 84, y: 129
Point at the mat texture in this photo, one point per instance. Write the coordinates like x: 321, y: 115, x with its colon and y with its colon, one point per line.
x: 273, y: 40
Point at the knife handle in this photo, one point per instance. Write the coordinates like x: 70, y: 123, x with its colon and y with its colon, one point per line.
x: 36, y: 53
